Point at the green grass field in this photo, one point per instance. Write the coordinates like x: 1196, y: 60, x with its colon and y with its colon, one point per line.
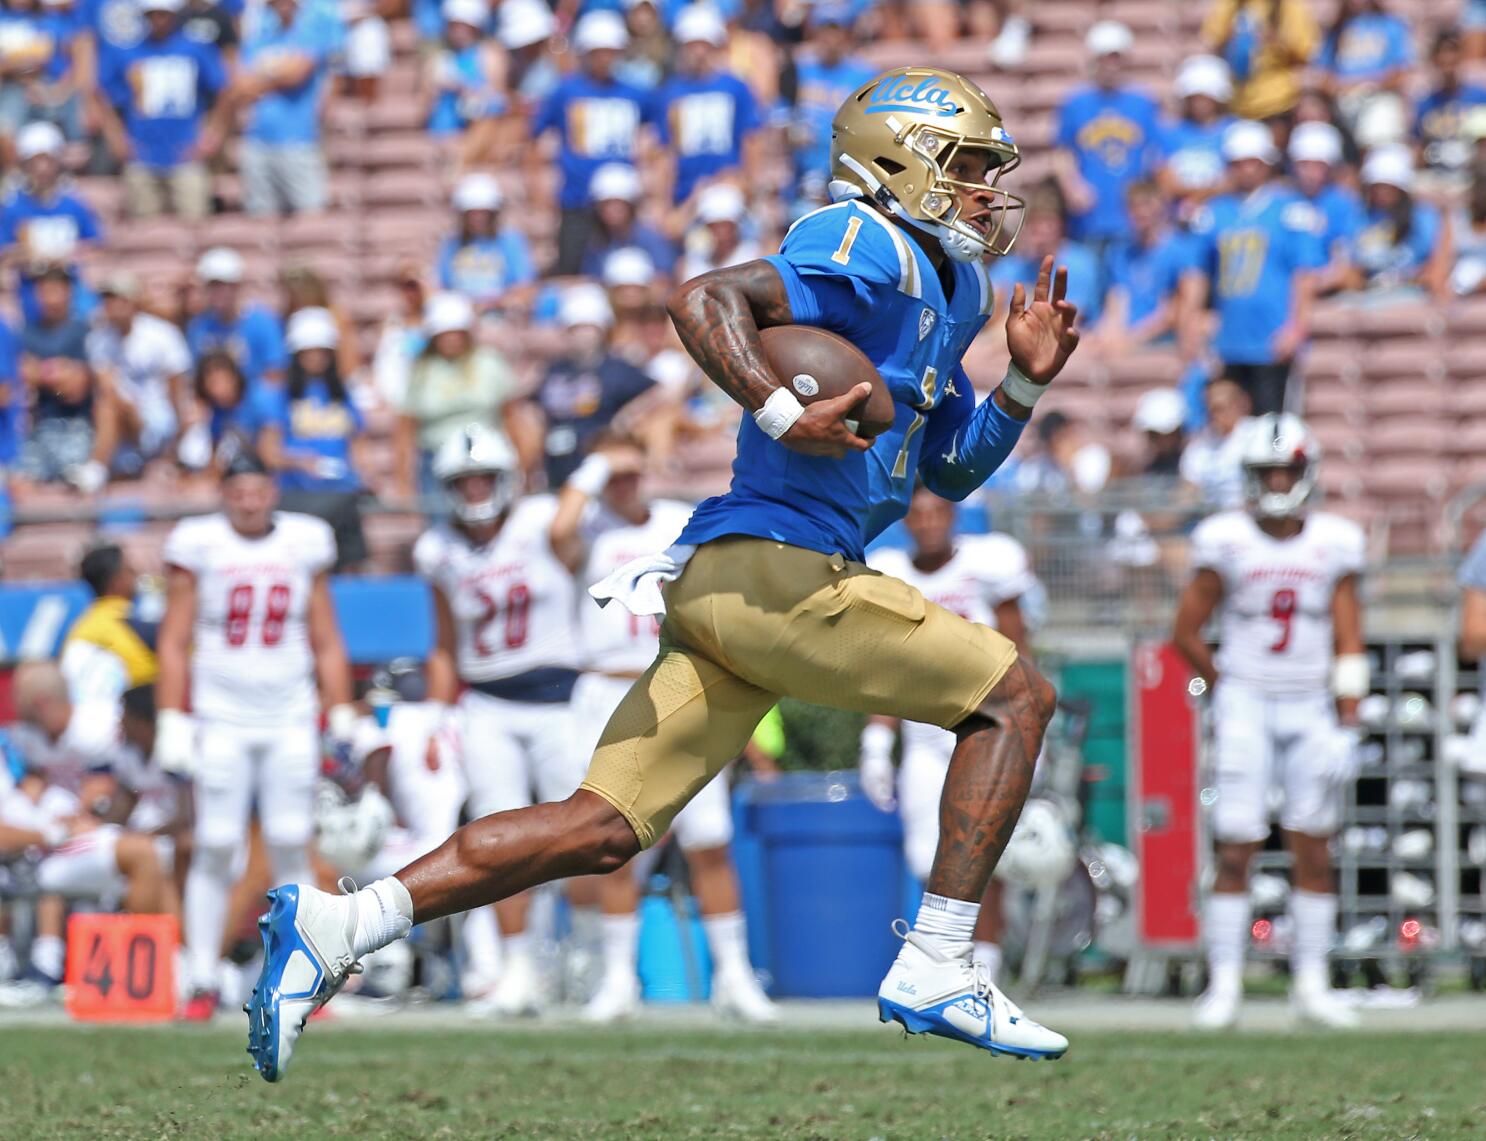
x: 645, y: 1082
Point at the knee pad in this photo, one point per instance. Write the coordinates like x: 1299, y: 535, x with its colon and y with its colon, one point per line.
x: 290, y: 863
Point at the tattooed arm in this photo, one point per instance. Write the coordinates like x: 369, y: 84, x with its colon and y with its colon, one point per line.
x: 718, y: 317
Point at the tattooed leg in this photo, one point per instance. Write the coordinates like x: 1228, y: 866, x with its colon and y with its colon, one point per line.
x: 989, y: 775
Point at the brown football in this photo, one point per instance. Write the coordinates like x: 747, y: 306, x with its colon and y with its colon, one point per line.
x: 816, y: 364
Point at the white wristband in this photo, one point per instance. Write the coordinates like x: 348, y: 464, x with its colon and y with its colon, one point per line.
x: 1351, y: 676
x: 779, y: 413
x: 592, y: 475
x: 340, y: 722
x: 1020, y: 389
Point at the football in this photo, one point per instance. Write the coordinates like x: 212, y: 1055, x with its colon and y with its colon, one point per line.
x: 816, y: 364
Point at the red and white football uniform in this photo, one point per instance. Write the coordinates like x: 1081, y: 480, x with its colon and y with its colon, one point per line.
x: 253, y: 689
x: 516, y: 651
x: 1273, y: 710
x: 619, y: 646
x: 985, y: 571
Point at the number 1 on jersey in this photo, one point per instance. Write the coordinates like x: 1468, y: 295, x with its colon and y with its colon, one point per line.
x: 848, y: 239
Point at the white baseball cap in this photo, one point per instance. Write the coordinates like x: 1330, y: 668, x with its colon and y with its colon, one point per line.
x: 477, y: 191
x: 448, y: 313
x: 38, y: 139
x: 584, y: 304
x: 475, y: 13
x: 1109, y: 37
x: 525, y: 22
x: 615, y: 180
x: 599, y: 30
x: 221, y: 264
x: 1316, y: 142
x: 1161, y: 410
x: 1204, y: 75
x: 312, y: 328
x: 1248, y: 139
x: 700, y: 22
x: 1392, y: 165
x: 628, y: 266
x: 723, y: 202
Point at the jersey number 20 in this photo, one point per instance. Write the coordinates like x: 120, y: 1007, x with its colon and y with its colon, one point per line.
x: 517, y: 610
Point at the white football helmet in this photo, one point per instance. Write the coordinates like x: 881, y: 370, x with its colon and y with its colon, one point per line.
x: 477, y: 450
x: 1280, y: 439
x: 350, y: 832
x: 1041, y: 851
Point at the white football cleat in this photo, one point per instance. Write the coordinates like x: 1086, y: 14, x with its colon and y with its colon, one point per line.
x: 307, y: 957
x: 736, y: 994
x: 1323, y: 1007
x: 617, y: 998
x: 1216, y: 1009
x: 929, y: 992
x: 517, y: 993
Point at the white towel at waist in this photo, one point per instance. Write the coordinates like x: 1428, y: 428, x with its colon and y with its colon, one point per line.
x: 636, y: 585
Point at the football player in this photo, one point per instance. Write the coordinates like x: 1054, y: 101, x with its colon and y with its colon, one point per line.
x: 982, y: 578
x: 768, y: 595
x: 604, y: 521
x: 1285, y: 683
x: 504, y: 609
x: 249, y: 621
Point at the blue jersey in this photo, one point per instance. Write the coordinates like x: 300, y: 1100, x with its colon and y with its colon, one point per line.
x: 705, y: 120
x: 484, y: 268
x: 290, y: 115
x: 820, y: 90
x: 595, y: 123
x: 1439, y: 125
x: 254, y: 339
x: 1369, y: 49
x: 1193, y: 152
x: 1252, y: 250
x: 1115, y: 137
x: 848, y: 269
x: 48, y: 230
x: 315, y: 425
x: 1085, y: 280
x: 162, y: 88
x: 1385, y: 260
x: 1148, y: 275
x: 1342, y: 216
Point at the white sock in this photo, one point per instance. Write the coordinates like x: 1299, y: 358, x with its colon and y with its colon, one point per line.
x: 621, y: 937
x: 204, y: 912
x: 482, y: 949
x: 1314, y: 916
x: 384, y: 912
x: 727, y: 938
x: 517, y: 946
x: 48, y: 955
x: 947, y: 924
x: 1225, y: 924
x: 990, y: 955
x: 290, y: 863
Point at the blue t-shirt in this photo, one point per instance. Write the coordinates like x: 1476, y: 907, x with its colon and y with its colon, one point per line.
x: 1085, y: 281
x: 53, y: 33
x: 1439, y: 125
x: 704, y: 121
x: 1193, y: 152
x: 456, y: 108
x: 1252, y: 249
x: 596, y: 123
x: 315, y: 425
x: 579, y: 402
x: 162, y: 89
x: 1116, y: 139
x: 1148, y: 275
x: 820, y: 91
x: 1341, y: 217
x: 254, y: 339
x: 1371, y: 46
x: 116, y: 24
x: 241, y: 420
x: 48, y: 230
x: 849, y: 270
x: 661, y: 249
x: 1387, y: 262
x: 10, y: 383
x: 485, y: 268
x: 290, y: 115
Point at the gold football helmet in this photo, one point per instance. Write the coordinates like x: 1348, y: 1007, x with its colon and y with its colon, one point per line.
x: 893, y: 140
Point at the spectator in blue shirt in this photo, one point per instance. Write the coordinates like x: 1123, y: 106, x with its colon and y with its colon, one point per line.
x: 43, y: 224
x: 1255, y: 250
x: 1145, y: 275
x: 251, y: 334
x: 827, y: 72
x: 222, y: 409
x: 12, y: 404
x: 484, y: 260
x: 286, y: 54
x: 38, y: 42
x: 1107, y: 136
x: 597, y: 120
x: 1192, y: 144
x: 706, y: 117
x: 155, y: 95
x: 1044, y: 234
x: 526, y: 31
x: 1315, y: 154
x: 1365, y: 49
x: 460, y: 79
x: 1439, y: 119
x: 1404, y: 242
x: 615, y: 190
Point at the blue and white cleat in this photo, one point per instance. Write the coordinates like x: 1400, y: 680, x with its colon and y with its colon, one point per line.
x: 928, y: 992
x: 307, y: 958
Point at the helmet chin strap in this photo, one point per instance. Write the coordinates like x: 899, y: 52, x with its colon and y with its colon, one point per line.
x: 956, y: 244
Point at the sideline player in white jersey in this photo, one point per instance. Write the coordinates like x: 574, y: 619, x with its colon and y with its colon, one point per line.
x: 980, y: 577
x: 250, y: 623
x: 1287, y: 677
x: 604, y: 521
x: 503, y: 619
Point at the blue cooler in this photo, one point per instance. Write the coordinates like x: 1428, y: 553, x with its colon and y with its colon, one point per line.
x: 833, y: 872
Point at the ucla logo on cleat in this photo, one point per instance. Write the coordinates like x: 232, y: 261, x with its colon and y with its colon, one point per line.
x: 901, y: 94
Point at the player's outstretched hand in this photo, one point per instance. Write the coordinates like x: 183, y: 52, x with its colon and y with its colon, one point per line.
x: 1041, y: 335
x: 821, y: 429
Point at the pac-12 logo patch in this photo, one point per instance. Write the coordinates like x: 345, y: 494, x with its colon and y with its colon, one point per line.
x: 925, y: 323
x: 805, y: 384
